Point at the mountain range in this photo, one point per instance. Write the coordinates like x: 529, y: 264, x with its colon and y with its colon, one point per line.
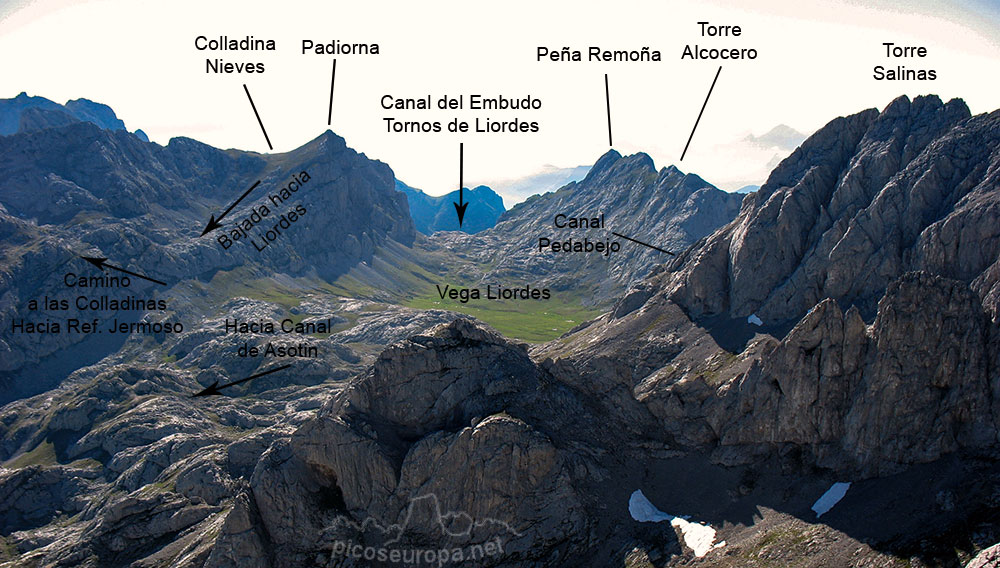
x: 666, y: 208
x: 77, y: 190
x: 804, y: 375
x: 24, y: 112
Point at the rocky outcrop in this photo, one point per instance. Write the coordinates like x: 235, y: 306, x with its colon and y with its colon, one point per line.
x: 125, y: 476
x: 385, y: 327
x: 240, y: 543
x: 35, y: 495
x: 458, y: 372
x: 988, y: 558
x: 827, y: 386
x: 443, y: 441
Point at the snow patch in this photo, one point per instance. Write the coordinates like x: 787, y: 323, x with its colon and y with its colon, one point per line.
x: 832, y: 496
x: 752, y: 318
x: 699, y: 538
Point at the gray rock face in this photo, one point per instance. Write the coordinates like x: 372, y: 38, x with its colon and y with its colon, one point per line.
x: 34, y: 495
x: 850, y: 228
x: 462, y: 371
x: 825, y: 387
x: 392, y: 324
x: 240, y: 542
x: 864, y: 200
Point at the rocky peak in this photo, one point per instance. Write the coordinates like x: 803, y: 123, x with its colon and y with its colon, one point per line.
x: 607, y: 160
x: 851, y: 203
x: 97, y: 113
x: 613, y: 165
x: 24, y: 112
x: 327, y: 142
x: 437, y: 213
x: 144, y: 205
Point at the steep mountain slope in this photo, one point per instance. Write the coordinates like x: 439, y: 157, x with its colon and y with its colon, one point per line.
x: 665, y: 208
x: 437, y: 213
x: 903, y: 190
x: 114, y: 449
x: 882, y: 217
x: 864, y: 200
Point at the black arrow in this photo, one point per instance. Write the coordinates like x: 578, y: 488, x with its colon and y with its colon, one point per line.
x: 702, y: 111
x: 214, y: 223
x: 102, y: 264
x: 333, y: 78
x: 461, y: 205
x: 257, y: 114
x: 641, y: 243
x: 215, y: 388
x: 607, y: 100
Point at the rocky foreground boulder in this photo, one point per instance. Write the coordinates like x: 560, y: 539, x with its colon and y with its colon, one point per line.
x: 446, y: 441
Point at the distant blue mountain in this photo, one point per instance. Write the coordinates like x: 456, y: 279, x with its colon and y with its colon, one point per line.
x: 549, y: 178
x: 26, y: 113
x: 432, y: 214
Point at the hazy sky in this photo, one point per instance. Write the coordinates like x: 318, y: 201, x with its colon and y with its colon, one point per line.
x: 814, y: 63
